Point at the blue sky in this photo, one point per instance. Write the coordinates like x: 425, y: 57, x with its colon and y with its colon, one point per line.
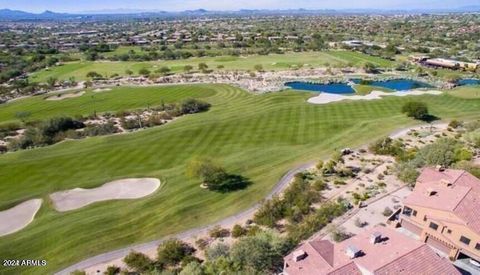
x: 174, y: 5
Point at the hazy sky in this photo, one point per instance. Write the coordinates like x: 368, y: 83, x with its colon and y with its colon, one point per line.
x: 173, y: 5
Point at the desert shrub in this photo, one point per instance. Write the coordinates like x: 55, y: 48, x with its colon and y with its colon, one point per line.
x: 191, y: 106
x: 387, y: 212
x: 407, y: 172
x: 112, y: 270
x: 193, y: 268
x: 270, y: 212
x: 316, y: 221
x: 441, y: 152
x: 201, y: 243
x: 474, y: 138
x: 219, y: 232
x: 238, y: 231
x: 387, y: 146
x: 455, y: 124
x: 472, y: 126
x: 469, y: 167
x: 217, y: 250
x: 172, y: 252
x: 339, y: 234
x: 319, y: 185
x: 262, y: 253
x: 100, y: 129
x: 138, y: 262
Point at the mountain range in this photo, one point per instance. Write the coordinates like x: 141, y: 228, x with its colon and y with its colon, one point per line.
x: 17, y: 15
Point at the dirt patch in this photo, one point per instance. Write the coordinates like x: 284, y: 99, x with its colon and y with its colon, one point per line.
x: 19, y: 216
x: 115, y: 190
x: 64, y: 96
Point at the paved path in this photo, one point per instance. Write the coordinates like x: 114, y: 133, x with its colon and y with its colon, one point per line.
x: 227, y: 222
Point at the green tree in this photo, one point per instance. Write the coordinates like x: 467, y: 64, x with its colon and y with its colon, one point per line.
x: 415, y: 109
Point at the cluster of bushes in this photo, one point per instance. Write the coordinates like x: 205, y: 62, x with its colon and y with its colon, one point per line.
x: 165, y: 112
x: 258, y: 254
x: 446, y: 152
x: 294, y: 204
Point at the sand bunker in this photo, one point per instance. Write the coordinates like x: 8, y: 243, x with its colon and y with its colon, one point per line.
x: 115, y: 190
x: 19, y: 216
x: 65, y: 96
x: 99, y: 90
x: 324, y: 98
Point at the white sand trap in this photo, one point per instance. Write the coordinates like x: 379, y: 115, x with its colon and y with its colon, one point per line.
x: 99, y: 90
x: 115, y: 190
x: 325, y: 98
x: 65, y: 96
x: 19, y: 216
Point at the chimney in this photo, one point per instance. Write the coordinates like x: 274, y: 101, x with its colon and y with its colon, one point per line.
x: 299, y: 255
x: 440, y: 168
x: 352, y: 252
x: 375, y: 237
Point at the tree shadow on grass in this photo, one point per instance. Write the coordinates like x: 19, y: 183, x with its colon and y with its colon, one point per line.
x: 430, y: 118
x: 233, y: 182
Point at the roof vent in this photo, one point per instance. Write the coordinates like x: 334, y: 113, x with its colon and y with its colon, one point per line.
x: 375, y: 237
x: 431, y: 192
x: 446, y: 182
x: 299, y: 255
x: 352, y: 252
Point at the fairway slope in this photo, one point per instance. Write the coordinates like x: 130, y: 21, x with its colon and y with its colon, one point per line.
x: 19, y: 216
x: 115, y: 190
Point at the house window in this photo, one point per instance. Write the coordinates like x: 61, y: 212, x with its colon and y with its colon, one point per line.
x: 424, y: 218
x: 433, y: 226
x: 449, y: 231
x: 414, y: 213
x: 407, y: 211
x: 465, y: 240
x: 477, y: 246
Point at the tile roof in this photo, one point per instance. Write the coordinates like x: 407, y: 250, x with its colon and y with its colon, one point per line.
x: 462, y: 197
x: 394, y: 254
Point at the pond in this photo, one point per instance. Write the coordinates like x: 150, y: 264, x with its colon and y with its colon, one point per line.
x: 469, y: 81
x: 334, y: 88
x: 345, y: 88
x: 396, y: 84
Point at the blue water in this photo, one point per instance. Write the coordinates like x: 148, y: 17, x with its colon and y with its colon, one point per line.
x: 469, y: 81
x: 334, y: 88
x: 344, y: 88
x: 397, y: 84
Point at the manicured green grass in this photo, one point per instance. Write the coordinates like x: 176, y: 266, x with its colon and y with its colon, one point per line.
x: 79, y: 70
x: 468, y: 92
x: 366, y: 89
x: 118, y: 99
x: 258, y: 136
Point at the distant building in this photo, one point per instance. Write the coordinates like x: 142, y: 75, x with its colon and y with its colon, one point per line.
x: 449, y: 64
x: 380, y: 250
x: 444, y: 211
